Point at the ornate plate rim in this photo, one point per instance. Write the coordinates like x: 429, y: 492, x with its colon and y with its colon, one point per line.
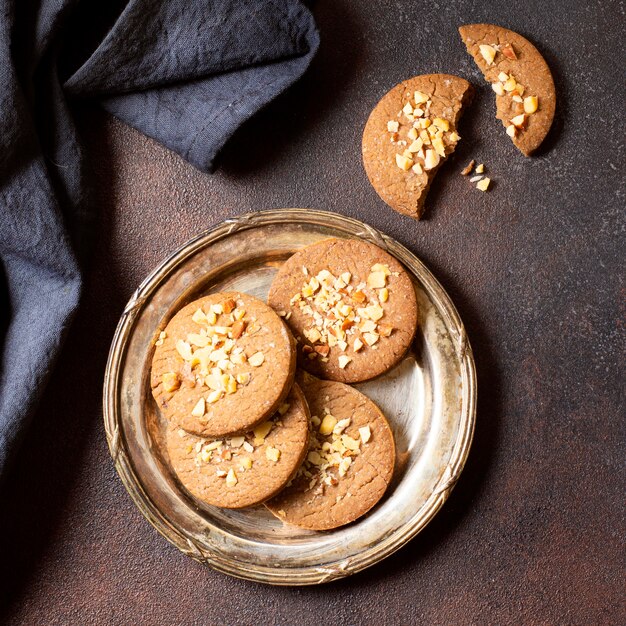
x: 369, y: 556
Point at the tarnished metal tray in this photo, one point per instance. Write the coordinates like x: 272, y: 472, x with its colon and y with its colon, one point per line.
x: 429, y: 400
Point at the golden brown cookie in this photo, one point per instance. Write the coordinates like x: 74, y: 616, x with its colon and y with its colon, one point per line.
x: 351, y: 306
x: 248, y: 469
x: 409, y: 134
x: 525, y: 94
x: 223, y: 364
x: 349, y: 464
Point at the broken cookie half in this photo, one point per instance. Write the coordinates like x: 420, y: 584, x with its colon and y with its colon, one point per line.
x: 521, y: 79
x: 409, y: 134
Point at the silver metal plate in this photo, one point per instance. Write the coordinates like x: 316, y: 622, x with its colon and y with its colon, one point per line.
x: 429, y: 400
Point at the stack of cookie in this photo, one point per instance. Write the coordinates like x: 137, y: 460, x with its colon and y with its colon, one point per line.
x: 246, y: 426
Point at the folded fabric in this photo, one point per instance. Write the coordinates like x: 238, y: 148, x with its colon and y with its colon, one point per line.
x: 185, y: 73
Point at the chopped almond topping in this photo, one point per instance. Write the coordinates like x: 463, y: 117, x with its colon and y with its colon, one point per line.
x: 199, y: 409
x: 508, y: 52
x: 530, y: 104
x: 256, y: 359
x: 488, y: 53
x: 403, y: 162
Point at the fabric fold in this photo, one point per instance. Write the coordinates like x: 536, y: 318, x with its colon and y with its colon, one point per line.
x: 186, y: 74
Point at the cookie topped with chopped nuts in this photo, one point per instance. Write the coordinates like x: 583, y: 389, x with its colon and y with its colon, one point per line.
x: 350, y: 305
x: 521, y: 79
x: 409, y: 134
x: 349, y: 463
x: 244, y: 470
x: 222, y: 364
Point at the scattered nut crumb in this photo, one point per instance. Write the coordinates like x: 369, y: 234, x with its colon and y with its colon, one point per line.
x: 480, y: 168
x: 483, y: 185
x: 467, y: 170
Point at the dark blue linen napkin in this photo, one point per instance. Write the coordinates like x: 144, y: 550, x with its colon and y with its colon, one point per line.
x: 186, y: 73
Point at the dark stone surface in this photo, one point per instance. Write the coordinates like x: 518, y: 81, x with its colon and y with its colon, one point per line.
x: 534, y: 531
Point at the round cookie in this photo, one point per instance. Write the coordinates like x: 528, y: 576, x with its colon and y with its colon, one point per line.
x: 349, y: 463
x: 248, y: 469
x: 408, y: 136
x: 351, y: 306
x: 223, y: 364
x: 525, y: 93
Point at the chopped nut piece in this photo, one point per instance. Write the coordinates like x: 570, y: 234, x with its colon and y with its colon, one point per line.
x: 416, y: 146
x: 510, y: 84
x: 488, y: 53
x: 184, y: 349
x: 383, y: 295
x: 256, y: 359
x: 392, y: 126
x: 519, y: 120
x: 530, y: 104
x: 349, y: 442
x: 480, y: 168
x: 262, y: 430
x: 503, y: 77
x: 328, y: 423
x: 170, y: 382
x: 385, y: 330
x: 243, y: 378
x: 365, y: 433
x: 438, y: 146
x: 199, y: 341
x: 220, y: 472
x: 517, y: 98
x: 229, y: 305
x: 370, y: 338
x: 358, y: 344
x: 403, y: 162
x: 248, y: 447
x: 231, y: 478
x: 498, y: 88
x: 246, y: 462
x: 454, y: 136
x: 420, y: 97
x: 199, y: 409
x: 381, y: 267
x: 432, y: 160
x: 407, y: 109
x: 412, y: 134
x: 376, y: 280
x: 468, y: 168
x: 272, y: 454
x: 511, y: 130
x: 444, y: 125
x: 236, y: 442
x: 508, y: 52
x: 199, y: 317
x: 214, y: 396
x: 374, y: 312
x: 483, y: 185
x: 417, y: 168
x: 236, y: 330
x: 343, y: 361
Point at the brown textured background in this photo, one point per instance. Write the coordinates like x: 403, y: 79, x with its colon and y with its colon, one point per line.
x: 534, y: 532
